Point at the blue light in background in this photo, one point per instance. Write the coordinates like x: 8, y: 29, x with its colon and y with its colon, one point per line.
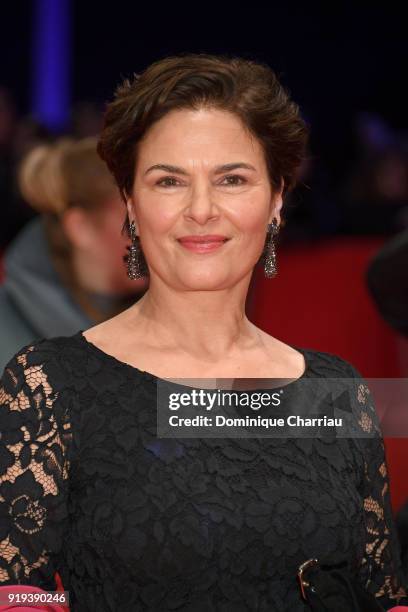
x: 51, y: 65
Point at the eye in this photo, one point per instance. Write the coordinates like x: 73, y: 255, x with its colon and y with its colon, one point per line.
x: 235, y: 176
x: 166, y: 178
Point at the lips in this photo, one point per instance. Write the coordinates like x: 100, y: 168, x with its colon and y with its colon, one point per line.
x: 203, y: 244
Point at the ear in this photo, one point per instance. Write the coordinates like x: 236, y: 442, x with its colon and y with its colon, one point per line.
x: 131, y: 211
x: 78, y: 227
x: 276, y: 204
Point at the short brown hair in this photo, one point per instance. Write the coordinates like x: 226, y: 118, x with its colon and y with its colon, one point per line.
x: 248, y: 89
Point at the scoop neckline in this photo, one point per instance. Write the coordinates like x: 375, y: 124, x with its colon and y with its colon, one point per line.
x: 148, y: 375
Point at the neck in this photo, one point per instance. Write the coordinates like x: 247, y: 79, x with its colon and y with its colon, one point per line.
x: 210, y: 324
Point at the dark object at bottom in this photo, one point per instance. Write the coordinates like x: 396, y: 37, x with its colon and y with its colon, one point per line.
x: 331, y: 588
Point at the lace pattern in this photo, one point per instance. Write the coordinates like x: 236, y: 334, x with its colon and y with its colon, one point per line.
x: 382, y: 549
x: 33, y: 474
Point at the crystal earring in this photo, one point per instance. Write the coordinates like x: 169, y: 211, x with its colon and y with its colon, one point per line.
x: 136, y: 263
x: 268, y: 257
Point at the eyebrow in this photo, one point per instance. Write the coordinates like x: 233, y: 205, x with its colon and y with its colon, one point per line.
x: 218, y: 169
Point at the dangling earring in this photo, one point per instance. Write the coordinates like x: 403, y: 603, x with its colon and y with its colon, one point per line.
x: 268, y: 257
x: 136, y: 263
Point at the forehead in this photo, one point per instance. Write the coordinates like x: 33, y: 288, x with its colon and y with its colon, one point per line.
x: 204, y: 132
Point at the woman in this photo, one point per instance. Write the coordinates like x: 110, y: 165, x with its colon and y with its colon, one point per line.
x: 203, y: 149
x: 64, y: 271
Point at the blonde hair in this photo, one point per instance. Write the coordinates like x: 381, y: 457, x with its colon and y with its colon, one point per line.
x: 53, y: 177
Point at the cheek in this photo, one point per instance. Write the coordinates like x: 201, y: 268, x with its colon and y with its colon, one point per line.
x: 159, y: 222
x: 250, y: 219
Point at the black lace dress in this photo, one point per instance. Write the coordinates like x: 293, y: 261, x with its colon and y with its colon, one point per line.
x: 135, y: 522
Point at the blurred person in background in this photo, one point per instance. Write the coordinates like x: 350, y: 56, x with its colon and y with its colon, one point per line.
x: 62, y: 271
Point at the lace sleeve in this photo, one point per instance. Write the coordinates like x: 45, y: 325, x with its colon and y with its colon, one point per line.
x: 381, y: 565
x: 33, y: 474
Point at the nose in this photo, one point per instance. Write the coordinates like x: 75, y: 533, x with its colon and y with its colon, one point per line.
x: 201, y: 206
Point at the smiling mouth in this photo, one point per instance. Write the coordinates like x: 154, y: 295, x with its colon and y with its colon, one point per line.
x: 202, y: 246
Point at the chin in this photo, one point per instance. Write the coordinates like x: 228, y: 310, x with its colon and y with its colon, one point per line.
x: 208, y: 281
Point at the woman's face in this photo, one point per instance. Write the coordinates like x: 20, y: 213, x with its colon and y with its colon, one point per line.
x: 197, y: 197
